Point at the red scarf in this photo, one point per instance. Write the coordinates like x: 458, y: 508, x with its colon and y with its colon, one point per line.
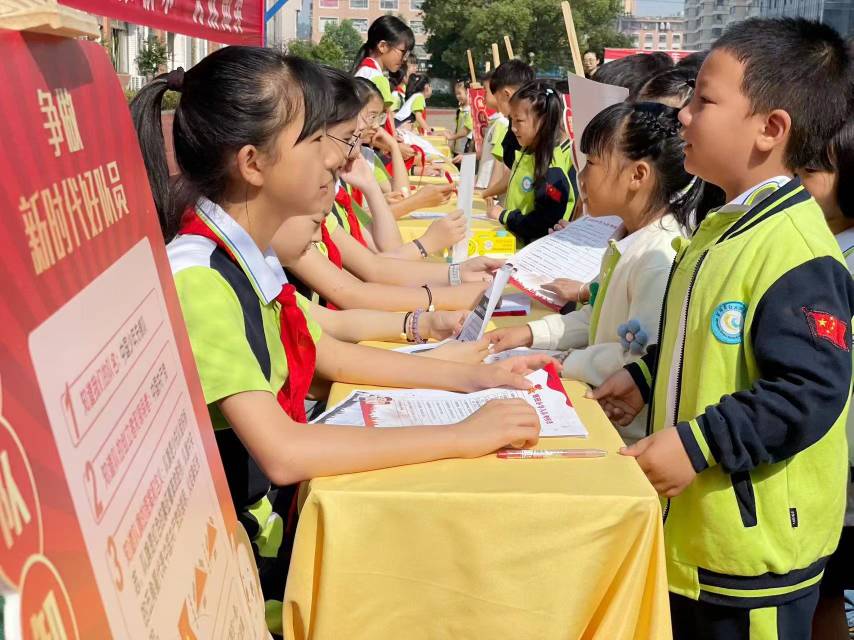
x: 296, y: 339
x: 343, y: 199
x: 332, y: 251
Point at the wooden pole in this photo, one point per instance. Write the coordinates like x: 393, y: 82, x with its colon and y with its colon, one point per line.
x: 572, y: 38
x: 487, y: 66
x: 496, y: 59
x: 471, y: 67
x: 509, y: 47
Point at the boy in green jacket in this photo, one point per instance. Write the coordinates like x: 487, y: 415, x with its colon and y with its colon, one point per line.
x: 749, y: 385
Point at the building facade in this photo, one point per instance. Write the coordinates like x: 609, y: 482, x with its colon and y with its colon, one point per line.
x: 654, y: 34
x: 706, y: 20
x: 839, y: 14
x: 363, y: 12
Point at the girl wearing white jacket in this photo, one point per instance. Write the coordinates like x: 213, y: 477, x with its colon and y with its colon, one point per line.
x: 634, y: 170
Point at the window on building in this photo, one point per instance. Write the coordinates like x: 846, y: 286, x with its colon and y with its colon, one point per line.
x: 327, y: 22
x: 389, y: 5
x: 717, y: 32
x: 675, y: 46
x: 647, y: 38
x: 358, y: 4
x: 417, y: 27
x: 416, y: 5
x: 662, y: 37
x: 328, y: 4
x: 360, y: 25
x: 662, y: 46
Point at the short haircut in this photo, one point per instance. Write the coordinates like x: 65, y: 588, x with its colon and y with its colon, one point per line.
x: 838, y: 157
x: 799, y: 66
x: 632, y: 72
x: 513, y: 73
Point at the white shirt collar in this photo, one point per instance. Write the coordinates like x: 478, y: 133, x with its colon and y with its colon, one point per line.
x: 757, y: 193
x: 263, y: 269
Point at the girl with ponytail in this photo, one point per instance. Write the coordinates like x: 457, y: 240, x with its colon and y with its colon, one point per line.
x: 542, y: 187
x: 634, y: 170
x: 251, y: 143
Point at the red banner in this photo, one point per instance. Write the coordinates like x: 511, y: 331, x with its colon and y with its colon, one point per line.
x: 115, y: 516
x: 479, y: 115
x: 616, y: 54
x: 225, y: 21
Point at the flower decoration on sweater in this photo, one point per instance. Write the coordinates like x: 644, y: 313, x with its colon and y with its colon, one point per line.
x: 632, y: 337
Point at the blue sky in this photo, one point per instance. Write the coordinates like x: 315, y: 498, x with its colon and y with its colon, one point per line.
x: 659, y: 7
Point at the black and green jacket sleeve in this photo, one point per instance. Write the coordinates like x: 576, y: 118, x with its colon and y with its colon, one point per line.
x: 552, y: 196
x: 801, y: 337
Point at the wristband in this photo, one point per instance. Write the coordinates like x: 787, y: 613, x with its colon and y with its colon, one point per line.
x: 415, y: 335
x: 420, y: 248
x: 406, y: 327
x: 430, y: 306
x: 454, y: 276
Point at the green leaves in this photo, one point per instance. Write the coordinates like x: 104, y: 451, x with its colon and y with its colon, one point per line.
x: 534, y: 26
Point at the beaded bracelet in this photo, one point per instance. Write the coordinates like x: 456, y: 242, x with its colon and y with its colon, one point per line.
x: 415, y: 335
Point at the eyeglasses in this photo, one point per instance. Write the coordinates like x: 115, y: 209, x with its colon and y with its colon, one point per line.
x: 350, y: 144
x: 376, y: 120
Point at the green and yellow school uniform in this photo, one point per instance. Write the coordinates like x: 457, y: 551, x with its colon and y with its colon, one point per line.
x: 532, y: 209
x: 233, y: 321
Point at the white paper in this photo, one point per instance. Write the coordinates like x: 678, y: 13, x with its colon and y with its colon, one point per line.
x: 411, y: 138
x: 465, y: 195
x: 514, y: 304
x: 574, y: 252
x: 407, y: 408
x: 588, y: 99
x: 477, y: 319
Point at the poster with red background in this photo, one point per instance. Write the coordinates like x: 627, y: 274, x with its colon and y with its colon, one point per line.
x: 115, y: 516
x: 616, y: 54
x: 225, y: 21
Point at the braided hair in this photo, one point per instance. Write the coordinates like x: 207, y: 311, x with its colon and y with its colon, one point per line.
x: 548, y: 106
x: 648, y: 131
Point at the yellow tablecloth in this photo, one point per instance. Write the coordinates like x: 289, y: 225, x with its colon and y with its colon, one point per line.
x: 483, y: 549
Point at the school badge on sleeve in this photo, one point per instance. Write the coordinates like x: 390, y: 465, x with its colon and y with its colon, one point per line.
x: 728, y: 322
x: 825, y: 326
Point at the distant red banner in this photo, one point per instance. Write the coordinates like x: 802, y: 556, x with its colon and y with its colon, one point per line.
x: 225, y: 21
x: 616, y: 54
x: 479, y: 115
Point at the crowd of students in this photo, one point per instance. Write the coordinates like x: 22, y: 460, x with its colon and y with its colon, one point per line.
x: 716, y: 335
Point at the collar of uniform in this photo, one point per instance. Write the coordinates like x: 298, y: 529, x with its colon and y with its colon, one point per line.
x: 263, y: 269
x: 755, y: 194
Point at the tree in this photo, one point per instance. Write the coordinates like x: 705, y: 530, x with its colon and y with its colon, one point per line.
x: 534, y: 26
x: 346, y: 37
x: 326, y: 51
x: 152, y: 56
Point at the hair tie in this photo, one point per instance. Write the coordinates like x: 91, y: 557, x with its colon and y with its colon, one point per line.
x: 175, y: 79
x: 549, y: 91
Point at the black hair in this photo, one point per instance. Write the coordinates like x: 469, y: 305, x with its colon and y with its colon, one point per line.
x: 386, y: 28
x: 693, y: 61
x: 838, y: 157
x: 416, y: 84
x: 465, y: 82
x: 366, y: 90
x: 345, y: 97
x: 396, y: 77
x: 548, y: 105
x: 513, y: 73
x: 799, y: 66
x: 676, y: 82
x: 650, y: 131
x: 234, y: 97
x: 633, y: 71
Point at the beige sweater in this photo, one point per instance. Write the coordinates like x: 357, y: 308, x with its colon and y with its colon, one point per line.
x: 635, y: 291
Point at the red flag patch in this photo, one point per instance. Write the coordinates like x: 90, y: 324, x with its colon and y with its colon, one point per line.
x: 554, y: 193
x: 827, y: 327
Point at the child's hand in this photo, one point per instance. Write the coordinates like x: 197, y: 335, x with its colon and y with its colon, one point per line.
x: 619, y: 398
x: 494, y: 212
x: 561, y: 224
x: 456, y: 351
x: 447, y: 231
x: 457, y: 159
x: 394, y: 197
x: 448, y: 135
x: 479, y: 269
x: 663, y: 459
x: 495, y: 425
x: 358, y: 173
x: 442, y: 324
x: 565, y: 289
x: 434, y: 195
x: 509, y: 372
x: 384, y: 139
x: 510, y: 338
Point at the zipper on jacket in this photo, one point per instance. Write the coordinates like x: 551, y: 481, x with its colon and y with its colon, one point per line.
x: 666, y: 511
x: 654, y: 370
x: 678, y: 391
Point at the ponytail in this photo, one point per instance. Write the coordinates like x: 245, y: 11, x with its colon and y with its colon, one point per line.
x: 649, y: 131
x: 548, y: 106
x: 416, y: 84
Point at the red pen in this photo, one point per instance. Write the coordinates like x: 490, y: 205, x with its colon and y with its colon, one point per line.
x: 535, y: 454
x: 449, y: 178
